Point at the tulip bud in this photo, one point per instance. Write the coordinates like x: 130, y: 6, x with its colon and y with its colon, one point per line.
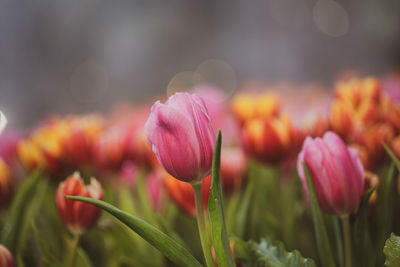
x: 336, y: 172
x: 182, y: 193
x: 181, y: 137
x: 5, y: 183
x: 269, y: 140
x: 6, y: 259
x: 76, y: 215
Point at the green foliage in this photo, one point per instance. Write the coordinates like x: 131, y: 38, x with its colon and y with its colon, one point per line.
x: 268, y: 254
x: 215, y: 206
x: 168, y: 246
x: 392, y: 251
x: 21, y: 212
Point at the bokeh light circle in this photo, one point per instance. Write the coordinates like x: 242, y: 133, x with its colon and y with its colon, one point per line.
x: 218, y: 74
x: 331, y: 18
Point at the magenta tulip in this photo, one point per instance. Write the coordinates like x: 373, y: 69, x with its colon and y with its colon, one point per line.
x: 181, y: 136
x: 336, y: 172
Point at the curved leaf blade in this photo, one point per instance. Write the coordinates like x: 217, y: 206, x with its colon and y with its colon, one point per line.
x: 216, y: 211
x: 321, y: 234
x: 165, y: 244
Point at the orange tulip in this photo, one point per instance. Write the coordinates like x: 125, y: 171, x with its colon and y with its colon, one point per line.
x: 250, y: 106
x: 269, y: 140
x: 182, y: 193
x: 356, y: 104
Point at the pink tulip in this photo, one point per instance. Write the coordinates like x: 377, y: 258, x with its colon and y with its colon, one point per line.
x: 6, y: 258
x: 336, y: 172
x: 181, y: 136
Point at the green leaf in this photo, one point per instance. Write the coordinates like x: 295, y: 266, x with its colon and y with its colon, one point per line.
x: 242, y: 212
x: 21, y: 212
x: 361, y: 236
x: 269, y: 254
x: 324, y: 249
x: 392, y: 251
x: 392, y: 156
x: 387, y: 196
x: 165, y: 244
x: 216, y: 210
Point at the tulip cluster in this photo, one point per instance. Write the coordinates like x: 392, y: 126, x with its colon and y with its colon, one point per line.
x: 155, y: 163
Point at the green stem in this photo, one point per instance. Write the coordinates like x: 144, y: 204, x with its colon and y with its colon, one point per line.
x: 201, y: 223
x: 347, y: 240
x: 74, y: 250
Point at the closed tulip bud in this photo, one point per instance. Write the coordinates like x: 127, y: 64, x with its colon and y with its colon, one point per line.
x: 269, y: 140
x: 182, y: 193
x: 336, y: 172
x: 5, y: 183
x: 181, y: 136
x: 6, y: 258
x: 76, y: 215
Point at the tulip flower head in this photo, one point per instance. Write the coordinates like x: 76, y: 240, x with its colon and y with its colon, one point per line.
x: 336, y: 172
x: 6, y: 258
x: 78, y: 216
x: 182, y: 137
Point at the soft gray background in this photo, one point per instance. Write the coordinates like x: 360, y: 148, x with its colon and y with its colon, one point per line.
x: 86, y: 55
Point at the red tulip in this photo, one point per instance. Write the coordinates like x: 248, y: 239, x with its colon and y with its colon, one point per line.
x: 76, y: 215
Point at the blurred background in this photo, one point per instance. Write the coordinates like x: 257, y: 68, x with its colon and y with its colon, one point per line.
x: 85, y: 55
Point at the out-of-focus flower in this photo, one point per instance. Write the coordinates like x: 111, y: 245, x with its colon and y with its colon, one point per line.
x: 30, y: 154
x: 269, y: 140
x: 110, y: 148
x: 5, y: 183
x: 232, y: 246
x: 44, y: 148
x: 181, y: 136
x: 371, y: 139
x: 395, y: 145
x: 336, y: 172
x: 84, y: 132
x: 6, y: 258
x: 76, y: 215
x: 3, y: 122
x: 127, y: 175
x: 250, y: 106
x: 356, y: 104
x: 233, y: 167
x: 182, y: 193
x: 138, y: 148
x: 154, y: 187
